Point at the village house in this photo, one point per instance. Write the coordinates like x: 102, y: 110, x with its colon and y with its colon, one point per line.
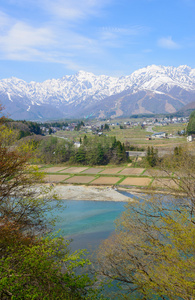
x: 191, y: 138
x: 159, y: 135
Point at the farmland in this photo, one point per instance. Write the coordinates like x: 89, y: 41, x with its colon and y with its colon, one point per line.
x: 133, y: 173
x: 127, y: 177
x: 135, y: 134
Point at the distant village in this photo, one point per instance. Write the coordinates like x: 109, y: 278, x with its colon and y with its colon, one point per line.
x: 99, y: 127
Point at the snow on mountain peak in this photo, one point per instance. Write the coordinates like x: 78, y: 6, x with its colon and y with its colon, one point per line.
x: 84, y: 74
x: 84, y: 85
x: 150, y: 89
x: 184, y: 68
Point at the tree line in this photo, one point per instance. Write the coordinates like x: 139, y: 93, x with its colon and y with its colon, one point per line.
x: 93, y: 150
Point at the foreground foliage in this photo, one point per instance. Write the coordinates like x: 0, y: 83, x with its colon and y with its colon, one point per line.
x: 152, y: 253
x: 32, y: 268
x: 33, y: 265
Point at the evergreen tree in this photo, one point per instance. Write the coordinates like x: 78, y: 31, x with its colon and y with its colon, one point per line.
x: 191, y: 124
x: 100, y: 155
x: 106, y: 127
x: 85, y: 140
x: 152, y: 156
x: 81, y: 155
x: 114, y: 142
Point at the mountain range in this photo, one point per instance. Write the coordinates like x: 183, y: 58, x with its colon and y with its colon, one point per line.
x: 154, y: 89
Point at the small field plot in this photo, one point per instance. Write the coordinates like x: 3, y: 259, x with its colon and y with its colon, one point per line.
x: 74, y: 170
x: 92, y: 171
x: 80, y: 179
x: 156, y: 173
x: 165, y: 183
x: 53, y: 169
x: 171, y: 128
x: 112, y: 171
x: 106, y: 180
x: 55, y: 178
x: 132, y: 171
x: 136, y: 181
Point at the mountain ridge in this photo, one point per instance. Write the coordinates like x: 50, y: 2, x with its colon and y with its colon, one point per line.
x: 151, y: 89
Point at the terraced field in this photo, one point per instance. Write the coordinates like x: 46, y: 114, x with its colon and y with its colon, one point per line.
x: 105, y: 176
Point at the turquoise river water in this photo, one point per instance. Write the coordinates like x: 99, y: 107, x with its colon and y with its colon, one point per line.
x: 87, y: 222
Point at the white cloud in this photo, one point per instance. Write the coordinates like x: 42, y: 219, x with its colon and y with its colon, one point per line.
x: 5, y: 22
x: 22, y: 39
x: 23, y: 42
x: 57, y: 37
x: 168, y: 43
x: 54, y: 39
x: 68, y: 10
x: 119, y: 36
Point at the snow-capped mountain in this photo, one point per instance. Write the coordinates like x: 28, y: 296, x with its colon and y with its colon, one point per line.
x: 152, y: 89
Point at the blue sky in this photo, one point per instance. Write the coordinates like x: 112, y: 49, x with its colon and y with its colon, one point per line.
x: 42, y: 39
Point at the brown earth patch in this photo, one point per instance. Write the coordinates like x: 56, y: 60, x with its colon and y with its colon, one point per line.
x: 106, y: 180
x: 92, y: 171
x: 136, y: 181
x: 132, y: 171
x: 111, y: 171
x: 55, y: 178
x: 53, y: 169
x: 80, y: 179
x: 158, y: 173
x: 74, y: 170
x: 165, y: 183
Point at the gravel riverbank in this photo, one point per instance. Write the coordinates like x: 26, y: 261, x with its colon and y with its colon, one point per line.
x: 72, y: 192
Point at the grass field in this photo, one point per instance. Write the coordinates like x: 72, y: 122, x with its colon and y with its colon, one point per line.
x: 171, y: 128
x: 123, y: 134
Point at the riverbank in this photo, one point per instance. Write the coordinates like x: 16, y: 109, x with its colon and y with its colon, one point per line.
x: 74, y: 192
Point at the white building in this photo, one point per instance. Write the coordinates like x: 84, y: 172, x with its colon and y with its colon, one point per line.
x: 191, y: 138
x: 159, y: 135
